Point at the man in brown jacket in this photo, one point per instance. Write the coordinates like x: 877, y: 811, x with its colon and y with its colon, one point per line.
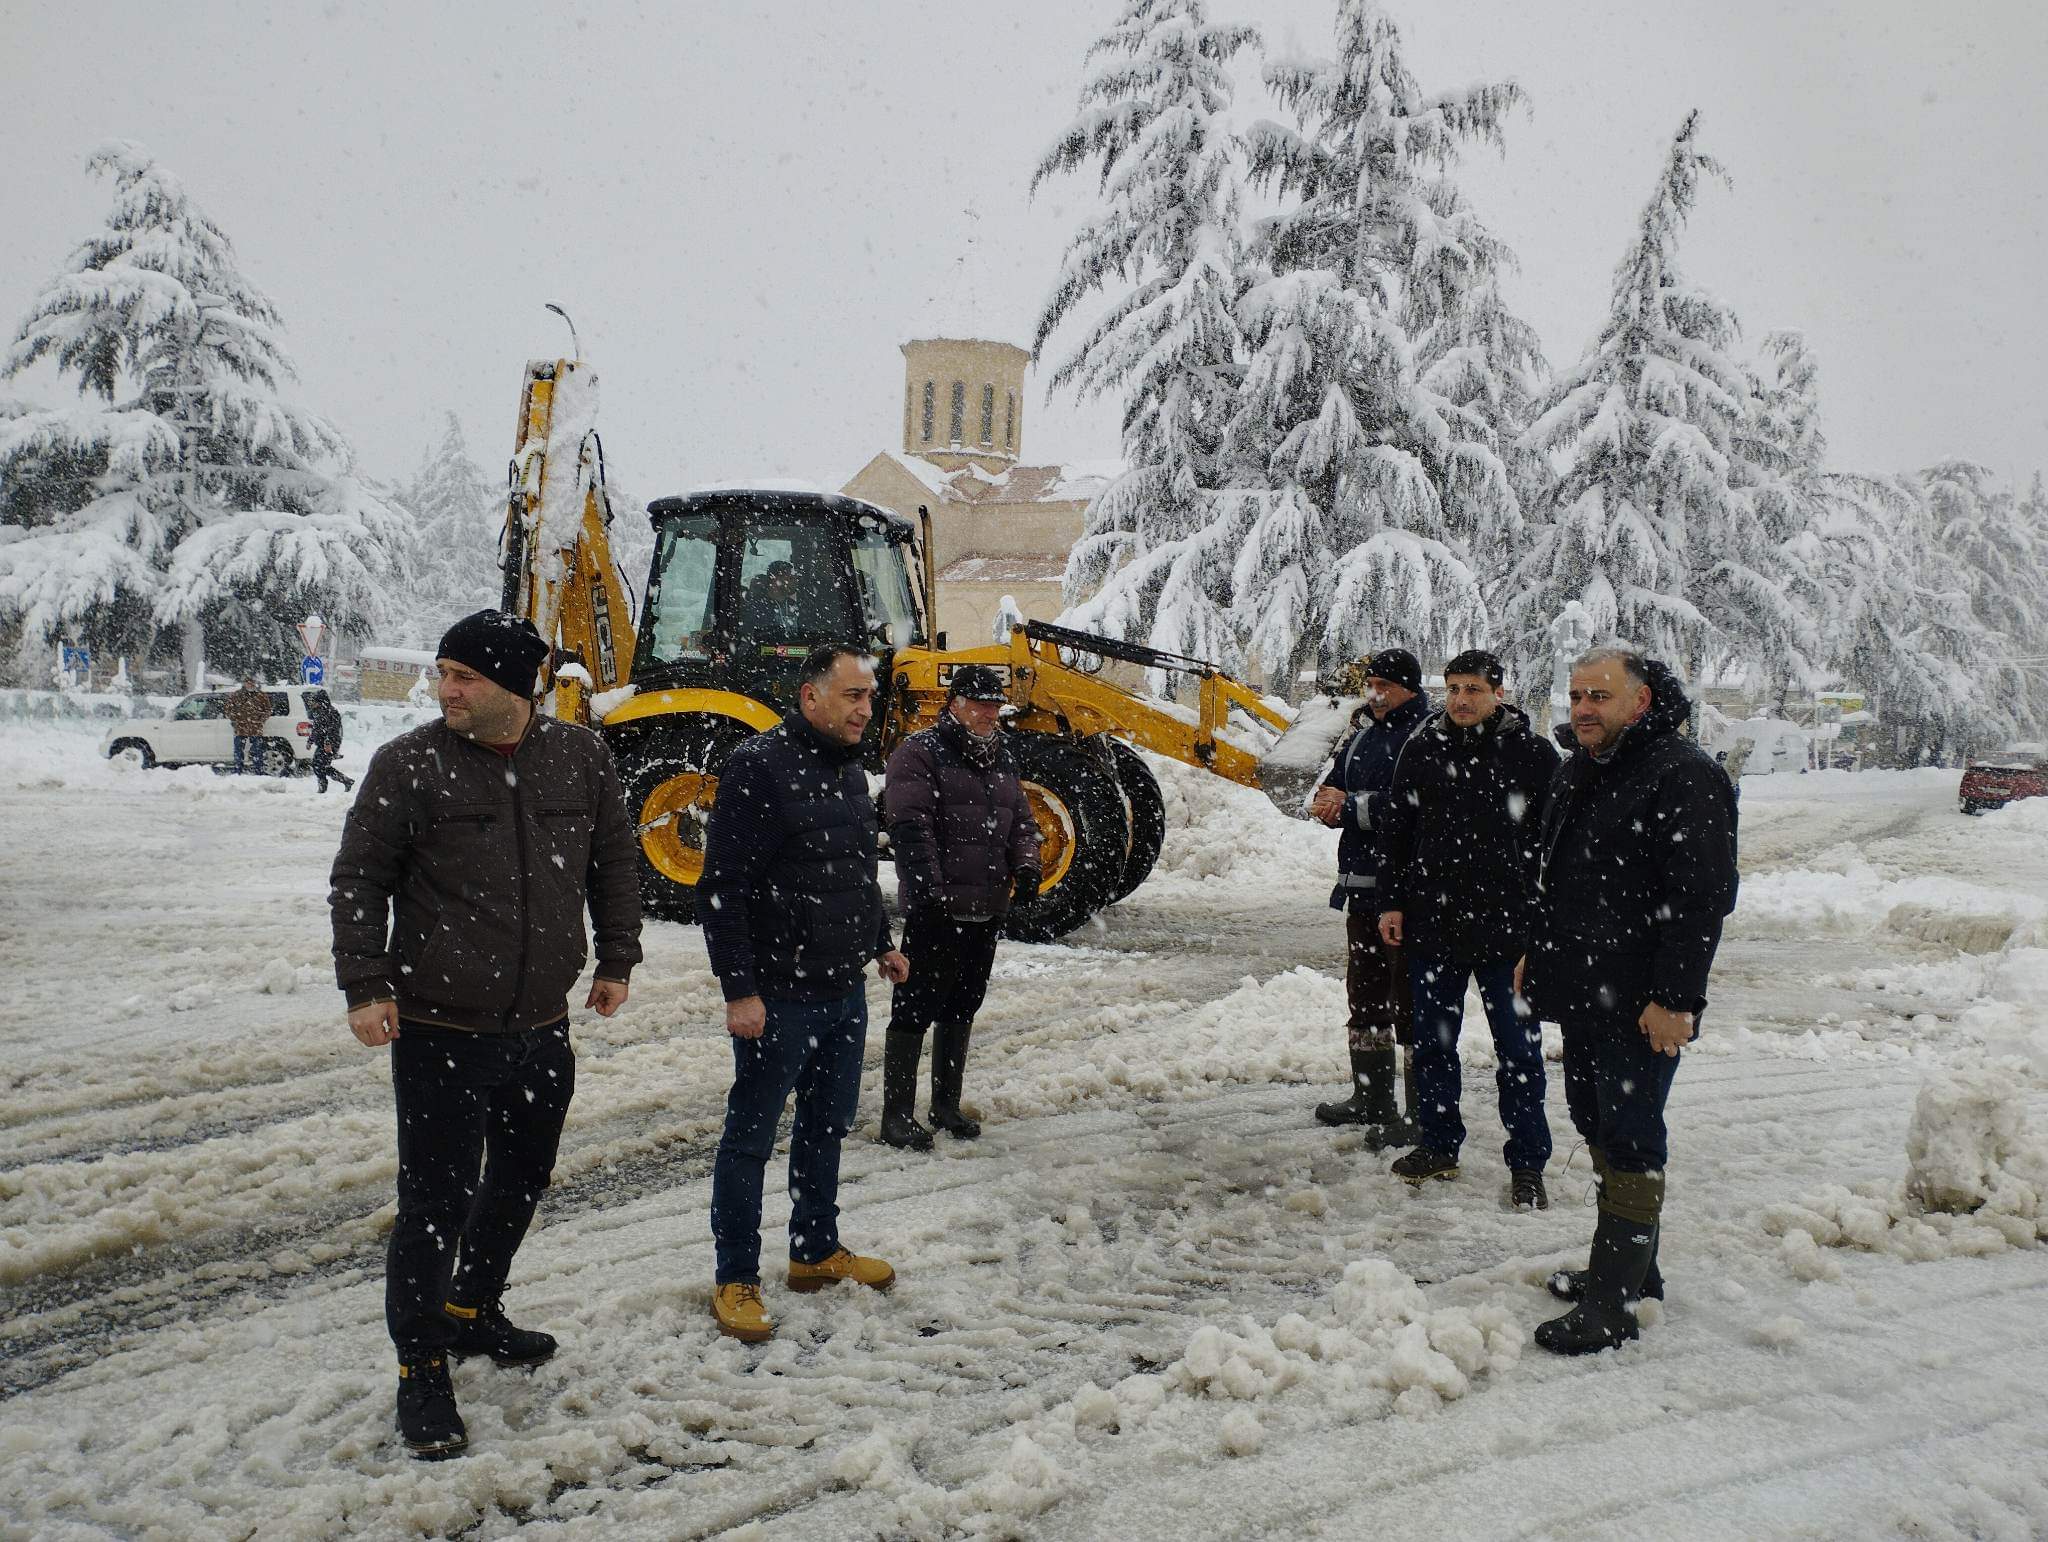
x: 487, y: 832
x: 247, y: 711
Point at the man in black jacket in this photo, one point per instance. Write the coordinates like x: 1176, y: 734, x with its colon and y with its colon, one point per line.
x: 965, y: 844
x: 792, y: 915
x: 458, y: 898
x: 1457, y: 888
x: 1638, y: 870
x: 1353, y: 800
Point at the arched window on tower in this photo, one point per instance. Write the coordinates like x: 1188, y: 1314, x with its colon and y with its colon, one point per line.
x: 931, y: 396
x: 988, y: 415
x: 1010, y: 421
x: 959, y: 416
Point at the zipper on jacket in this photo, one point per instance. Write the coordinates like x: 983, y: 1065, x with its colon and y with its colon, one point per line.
x: 525, y: 904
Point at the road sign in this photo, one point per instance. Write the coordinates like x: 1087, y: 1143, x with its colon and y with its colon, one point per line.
x: 311, y: 630
x: 312, y: 670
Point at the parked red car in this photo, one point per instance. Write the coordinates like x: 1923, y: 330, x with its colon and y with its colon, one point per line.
x: 2017, y: 771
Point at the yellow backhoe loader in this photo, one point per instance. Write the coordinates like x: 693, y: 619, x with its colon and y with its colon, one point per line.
x: 745, y: 582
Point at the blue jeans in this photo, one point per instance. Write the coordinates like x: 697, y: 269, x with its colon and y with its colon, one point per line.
x: 1439, y: 989
x: 813, y: 1048
x: 251, y: 746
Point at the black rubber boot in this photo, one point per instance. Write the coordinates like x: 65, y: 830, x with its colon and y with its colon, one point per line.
x: 485, y: 1330
x: 1570, y: 1284
x: 1371, y: 1099
x: 949, y: 1067
x: 1605, y: 1317
x: 1397, y: 1130
x: 428, y: 1422
x: 901, y: 1050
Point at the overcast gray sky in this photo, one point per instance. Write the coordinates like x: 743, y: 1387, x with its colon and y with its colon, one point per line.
x: 748, y: 206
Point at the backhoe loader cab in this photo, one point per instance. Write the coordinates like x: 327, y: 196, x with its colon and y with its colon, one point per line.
x: 745, y: 583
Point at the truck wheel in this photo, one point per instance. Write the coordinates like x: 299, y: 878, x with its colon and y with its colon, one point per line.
x: 1972, y: 806
x: 670, y: 776
x: 1084, y: 836
x: 274, y: 758
x: 1147, y: 817
x: 136, y: 749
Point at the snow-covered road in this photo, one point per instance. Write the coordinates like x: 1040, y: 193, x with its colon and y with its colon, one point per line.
x: 1154, y: 1300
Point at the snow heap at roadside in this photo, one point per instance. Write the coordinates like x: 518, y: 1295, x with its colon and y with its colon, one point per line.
x: 1372, y: 1349
x: 1976, y: 1182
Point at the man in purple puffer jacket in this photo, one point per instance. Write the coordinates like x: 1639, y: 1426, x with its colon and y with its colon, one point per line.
x: 965, y: 842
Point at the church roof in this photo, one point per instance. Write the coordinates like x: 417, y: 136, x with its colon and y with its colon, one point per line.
x: 972, y: 484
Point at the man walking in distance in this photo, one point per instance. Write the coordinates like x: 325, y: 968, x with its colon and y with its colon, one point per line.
x: 1457, y: 895
x: 248, y: 709
x: 965, y: 843
x: 487, y: 832
x: 792, y: 914
x: 324, y: 719
x: 1353, y: 800
x: 1638, y: 870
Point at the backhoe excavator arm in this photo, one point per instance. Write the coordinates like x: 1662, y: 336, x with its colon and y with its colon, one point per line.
x: 555, y: 551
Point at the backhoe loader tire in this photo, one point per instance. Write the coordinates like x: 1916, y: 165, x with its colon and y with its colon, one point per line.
x: 1084, y: 834
x: 1147, y: 810
x: 670, y: 773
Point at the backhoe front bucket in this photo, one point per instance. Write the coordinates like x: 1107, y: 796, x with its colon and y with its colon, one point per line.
x: 1293, y: 768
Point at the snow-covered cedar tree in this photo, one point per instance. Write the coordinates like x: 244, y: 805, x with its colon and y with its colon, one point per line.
x: 458, y: 515
x: 2003, y: 562
x: 185, y: 496
x: 1650, y: 521
x: 1387, y: 386
x: 1161, y: 250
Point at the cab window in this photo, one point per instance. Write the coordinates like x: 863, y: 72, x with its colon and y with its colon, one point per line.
x: 787, y: 593
x: 679, y: 600
x: 198, y: 709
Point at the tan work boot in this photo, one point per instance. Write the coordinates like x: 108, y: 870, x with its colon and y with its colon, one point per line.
x: 740, y: 1313
x: 842, y: 1265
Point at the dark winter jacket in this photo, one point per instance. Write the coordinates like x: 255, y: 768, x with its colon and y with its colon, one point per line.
x: 789, y: 901
x: 959, y: 826
x: 1364, y: 772
x: 489, y: 860
x: 325, y: 724
x: 1638, y: 869
x: 247, y: 709
x: 1458, y: 840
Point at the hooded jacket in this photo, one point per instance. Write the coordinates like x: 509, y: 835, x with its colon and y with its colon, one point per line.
x: 1458, y: 843
x: 958, y: 823
x: 1637, y: 871
x: 1364, y: 772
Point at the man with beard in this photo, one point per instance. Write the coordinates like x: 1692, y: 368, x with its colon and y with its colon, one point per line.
x: 1637, y: 872
x: 1457, y: 888
x: 1352, y: 800
x: 965, y: 845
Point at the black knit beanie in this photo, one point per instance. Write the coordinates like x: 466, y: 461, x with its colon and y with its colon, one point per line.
x: 503, y: 649
x: 1396, y: 665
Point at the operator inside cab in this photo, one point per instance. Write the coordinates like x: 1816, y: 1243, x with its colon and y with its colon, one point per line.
x: 769, y: 610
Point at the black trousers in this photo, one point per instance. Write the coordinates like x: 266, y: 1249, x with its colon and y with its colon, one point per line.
x: 495, y: 1100
x: 1376, y: 985
x: 949, y: 966
x: 323, y: 768
x: 1615, y: 1088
